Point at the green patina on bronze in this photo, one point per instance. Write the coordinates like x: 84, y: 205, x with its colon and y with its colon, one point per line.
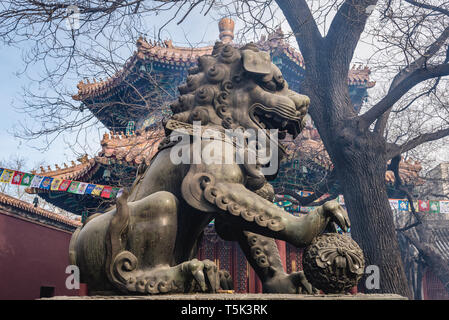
x: 147, y: 243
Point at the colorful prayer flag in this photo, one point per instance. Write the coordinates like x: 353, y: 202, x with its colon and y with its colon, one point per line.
x: 64, y: 185
x: 114, y: 192
x: 55, y: 184
x: 394, y: 204
x: 434, y: 207
x: 423, y: 205
x: 1, y: 171
x: 36, y: 182
x: 82, y: 188
x: 415, y: 205
x: 46, y: 183
x: 403, y: 205
x: 17, y: 178
x: 7, y: 175
x: 26, y: 180
x: 73, y: 187
x: 106, y: 193
x: 444, y: 206
x: 90, y: 187
x: 97, y: 190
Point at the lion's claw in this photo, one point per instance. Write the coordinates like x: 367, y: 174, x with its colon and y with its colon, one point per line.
x: 337, y: 215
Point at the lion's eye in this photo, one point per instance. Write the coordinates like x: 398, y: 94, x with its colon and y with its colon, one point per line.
x: 269, y: 85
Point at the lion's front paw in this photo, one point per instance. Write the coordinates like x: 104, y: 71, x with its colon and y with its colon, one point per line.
x: 337, y: 215
x: 205, y: 273
x: 226, y: 282
x: 295, y: 282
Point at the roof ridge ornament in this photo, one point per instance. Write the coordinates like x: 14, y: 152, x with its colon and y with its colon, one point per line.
x: 226, y: 28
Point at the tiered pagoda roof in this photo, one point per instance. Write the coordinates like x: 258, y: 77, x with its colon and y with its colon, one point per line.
x: 85, y: 169
x: 115, y: 104
x: 166, y: 54
x: 114, y: 100
x: 134, y: 149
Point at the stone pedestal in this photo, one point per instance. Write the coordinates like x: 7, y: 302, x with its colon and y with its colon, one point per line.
x: 239, y: 297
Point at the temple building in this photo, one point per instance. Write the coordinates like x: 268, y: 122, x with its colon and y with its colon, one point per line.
x: 133, y: 103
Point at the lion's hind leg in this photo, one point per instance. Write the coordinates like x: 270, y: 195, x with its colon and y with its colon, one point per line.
x: 141, y: 236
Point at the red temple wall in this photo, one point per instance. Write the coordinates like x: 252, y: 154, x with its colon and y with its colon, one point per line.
x: 433, y: 289
x: 31, y: 255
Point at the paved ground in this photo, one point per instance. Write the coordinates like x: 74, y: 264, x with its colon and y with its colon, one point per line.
x: 236, y: 296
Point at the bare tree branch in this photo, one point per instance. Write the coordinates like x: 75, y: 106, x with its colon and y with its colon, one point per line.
x: 413, y: 78
x: 345, y: 31
x: 298, y: 15
x: 423, y: 138
x: 407, y: 71
x: 428, y: 6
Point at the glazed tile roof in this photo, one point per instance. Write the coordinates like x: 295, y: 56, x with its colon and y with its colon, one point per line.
x: 275, y: 42
x: 168, y: 54
x: 408, y: 171
x: 165, y: 53
x: 359, y: 76
x: 132, y: 149
x: 7, y: 200
x: 86, y: 167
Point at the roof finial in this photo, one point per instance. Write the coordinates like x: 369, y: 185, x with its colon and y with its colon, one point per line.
x: 226, y: 27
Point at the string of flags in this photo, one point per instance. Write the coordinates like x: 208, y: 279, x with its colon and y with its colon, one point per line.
x: 77, y: 187
x: 56, y: 184
x: 427, y: 206
x: 400, y: 205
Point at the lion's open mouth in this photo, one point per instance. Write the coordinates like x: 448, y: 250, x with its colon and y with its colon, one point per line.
x: 276, y: 118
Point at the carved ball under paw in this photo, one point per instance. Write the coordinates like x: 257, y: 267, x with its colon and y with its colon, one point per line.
x: 333, y: 263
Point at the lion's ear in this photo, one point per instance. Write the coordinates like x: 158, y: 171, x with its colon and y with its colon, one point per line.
x: 256, y: 62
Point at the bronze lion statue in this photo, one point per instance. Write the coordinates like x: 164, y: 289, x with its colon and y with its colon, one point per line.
x: 147, y: 243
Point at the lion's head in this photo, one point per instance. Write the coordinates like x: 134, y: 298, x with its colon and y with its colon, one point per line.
x: 240, y: 88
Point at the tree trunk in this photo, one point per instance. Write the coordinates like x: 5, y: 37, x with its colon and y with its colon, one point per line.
x: 372, y: 225
x: 358, y: 155
x: 359, y: 158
